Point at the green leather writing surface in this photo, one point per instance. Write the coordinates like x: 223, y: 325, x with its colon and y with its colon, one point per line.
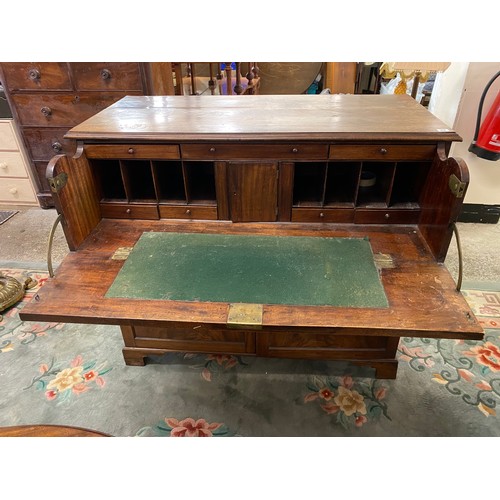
x: 292, y: 270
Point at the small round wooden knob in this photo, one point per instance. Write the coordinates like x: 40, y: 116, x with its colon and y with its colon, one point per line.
x: 321, y: 214
x: 13, y: 190
x: 57, y: 146
x: 295, y: 150
x: 212, y: 149
x: 383, y: 151
x: 3, y: 165
x: 128, y: 211
x: 105, y: 74
x: 188, y: 212
x: 131, y: 151
x: 46, y: 111
x: 386, y: 216
x: 34, y: 74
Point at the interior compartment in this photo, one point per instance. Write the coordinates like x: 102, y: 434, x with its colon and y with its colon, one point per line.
x: 377, y: 194
x: 309, y: 184
x: 408, y: 183
x: 169, y: 181
x: 109, y: 180
x: 342, y: 183
x: 200, y: 182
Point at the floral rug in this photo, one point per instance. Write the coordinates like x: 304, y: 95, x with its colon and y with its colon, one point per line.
x: 66, y: 374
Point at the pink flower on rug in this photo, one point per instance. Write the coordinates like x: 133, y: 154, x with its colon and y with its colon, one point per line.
x: 360, y: 421
x: 330, y: 407
x: 326, y: 394
x: 347, y: 382
x: 90, y: 375
x: 487, y: 354
x: 189, y: 428
x: 50, y: 395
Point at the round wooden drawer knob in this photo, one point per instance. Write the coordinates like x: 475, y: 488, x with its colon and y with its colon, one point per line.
x: 321, y: 215
x: 131, y: 151
x: 34, y: 74
x: 212, y: 149
x: 383, y: 151
x: 105, y: 74
x: 386, y: 216
x: 46, y: 111
x: 13, y: 190
x: 3, y: 166
x: 188, y: 212
x: 128, y: 211
x: 295, y: 150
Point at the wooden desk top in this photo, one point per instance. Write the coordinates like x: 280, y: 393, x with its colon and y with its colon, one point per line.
x: 265, y: 117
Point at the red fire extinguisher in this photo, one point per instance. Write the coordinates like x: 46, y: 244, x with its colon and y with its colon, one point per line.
x: 486, y: 142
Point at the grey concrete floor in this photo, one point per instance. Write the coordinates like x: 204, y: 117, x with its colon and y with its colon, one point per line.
x: 23, y: 238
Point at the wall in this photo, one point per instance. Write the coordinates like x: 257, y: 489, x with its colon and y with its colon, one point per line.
x: 484, y: 187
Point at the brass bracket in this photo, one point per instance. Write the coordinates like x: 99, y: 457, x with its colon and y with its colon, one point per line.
x: 122, y: 253
x: 58, y: 182
x: 457, y: 187
x: 243, y: 316
x: 383, y: 261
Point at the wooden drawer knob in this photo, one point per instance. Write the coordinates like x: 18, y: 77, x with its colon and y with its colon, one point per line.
x: 295, y: 150
x: 188, y: 212
x: 105, y: 74
x: 212, y: 149
x: 128, y: 211
x: 387, y: 216
x: 383, y: 151
x: 46, y: 111
x: 34, y: 74
x: 131, y: 151
x: 57, y: 146
x: 321, y: 215
x: 13, y: 190
x: 3, y: 165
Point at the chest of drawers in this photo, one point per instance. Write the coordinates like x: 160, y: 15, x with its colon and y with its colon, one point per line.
x: 374, y: 168
x: 47, y: 99
x: 16, y: 187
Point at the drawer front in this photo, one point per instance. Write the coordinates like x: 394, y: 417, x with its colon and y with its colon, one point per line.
x: 16, y: 190
x: 107, y: 76
x: 322, y: 215
x: 382, y: 152
x: 254, y: 151
x: 129, y: 211
x: 130, y: 151
x: 7, y: 136
x: 45, y: 143
x: 195, y: 338
x: 188, y: 212
x: 388, y: 216
x: 36, y: 76
x: 12, y: 165
x: 320, y: 346
x: 60, y: 110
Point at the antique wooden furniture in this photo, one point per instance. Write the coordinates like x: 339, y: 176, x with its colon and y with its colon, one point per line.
x: 344, y: 166
x: 47, y: 99
x: 16, y: 187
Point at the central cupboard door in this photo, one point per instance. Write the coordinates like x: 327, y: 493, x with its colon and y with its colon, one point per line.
x: 253, y: 191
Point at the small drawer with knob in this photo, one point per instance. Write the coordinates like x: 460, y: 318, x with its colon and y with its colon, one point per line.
x: 106, y: 76
x: 37, y: 76
x: 16, y: 190
x: 12, y: 164
x: 387, y: 216
x: 382, y: 152
x: 131, y: 151
x: 129, y: 211
x: 44, y: 143
x: 60, y: 110
x: 188, y: 212
x: 256, y: 151
x: 338, y: 215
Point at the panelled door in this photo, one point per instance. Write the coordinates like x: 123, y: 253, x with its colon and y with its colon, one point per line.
x: 253, y: 191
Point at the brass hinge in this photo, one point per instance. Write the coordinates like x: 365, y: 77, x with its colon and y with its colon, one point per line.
x: 457, y: 187
x: 247, y: 316
x: 58, y: 182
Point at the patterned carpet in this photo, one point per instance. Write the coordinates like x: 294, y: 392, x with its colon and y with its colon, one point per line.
x: 64, y: 374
